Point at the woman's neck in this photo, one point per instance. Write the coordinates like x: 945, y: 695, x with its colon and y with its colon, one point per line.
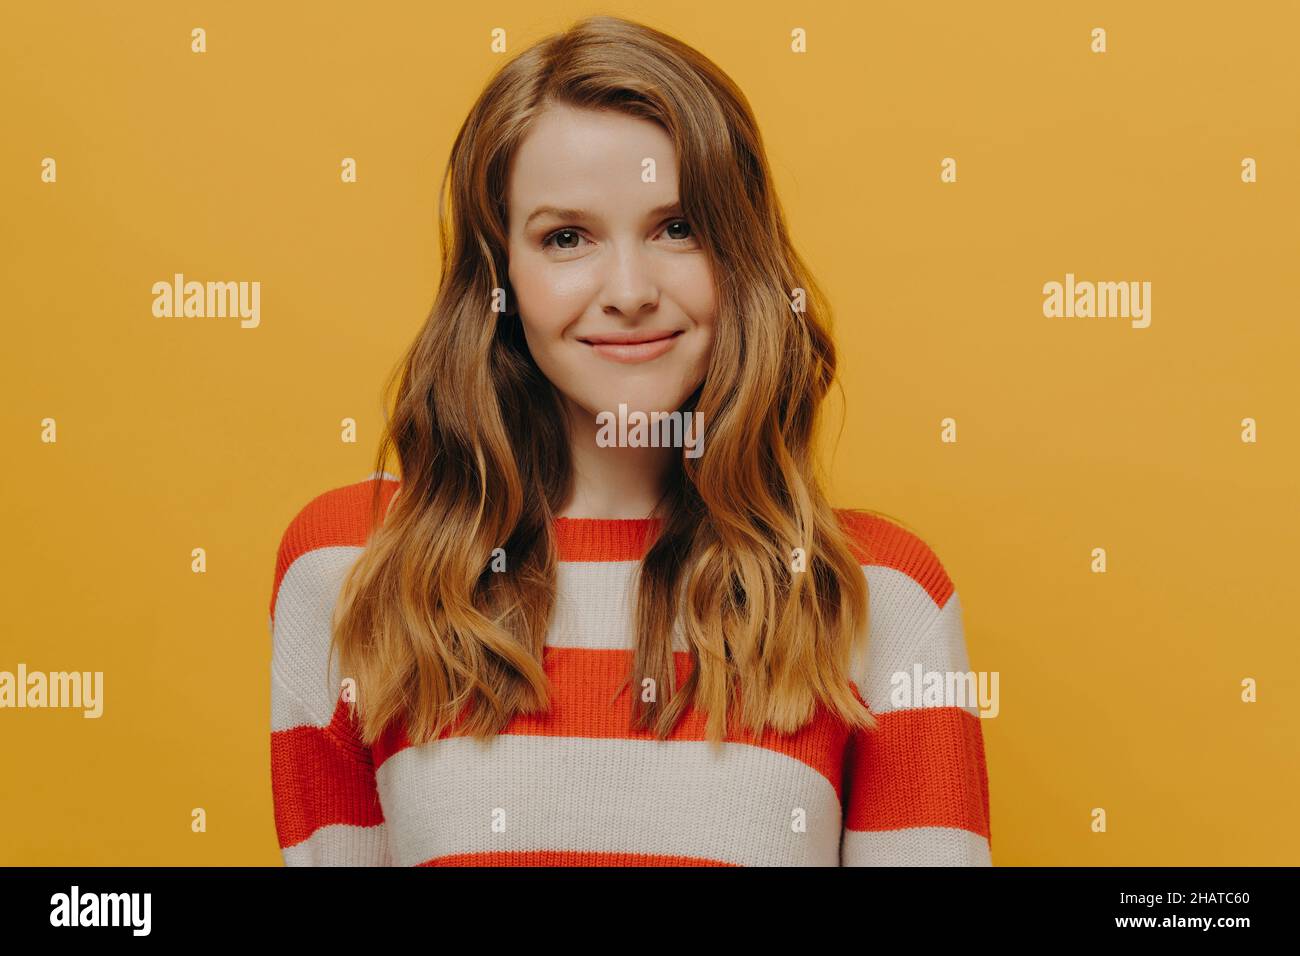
x: 613, y: 483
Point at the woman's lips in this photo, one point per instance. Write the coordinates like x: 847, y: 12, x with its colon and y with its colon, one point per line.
x: 638, y: 352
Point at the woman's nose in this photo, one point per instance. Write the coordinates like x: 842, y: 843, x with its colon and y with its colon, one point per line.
x: 629, y: 284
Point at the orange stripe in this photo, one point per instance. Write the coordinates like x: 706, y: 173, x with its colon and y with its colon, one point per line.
x: 583, y: 681
x: 601, y: 539
x: 567, y: 858
x: 318, y: 779
x: 921, y: 767
x: 877, y: 540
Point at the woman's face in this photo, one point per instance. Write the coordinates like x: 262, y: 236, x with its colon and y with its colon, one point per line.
x: 599, y: 257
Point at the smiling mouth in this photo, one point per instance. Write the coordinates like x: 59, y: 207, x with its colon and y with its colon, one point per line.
x: 642, y: 350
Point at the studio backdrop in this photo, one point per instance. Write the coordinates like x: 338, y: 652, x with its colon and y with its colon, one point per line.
x: 1060, y: 244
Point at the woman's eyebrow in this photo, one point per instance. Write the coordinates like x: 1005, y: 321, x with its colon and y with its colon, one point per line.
x: 581, y: 214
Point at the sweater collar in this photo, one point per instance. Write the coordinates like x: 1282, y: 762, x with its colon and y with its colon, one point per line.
x: 604, y: 539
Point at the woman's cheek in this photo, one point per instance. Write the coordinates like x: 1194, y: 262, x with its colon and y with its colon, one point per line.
x: 553, y: 306
x: 697, y: 292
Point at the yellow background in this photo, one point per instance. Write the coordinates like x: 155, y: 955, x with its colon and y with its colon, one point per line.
x: 1119, y: 690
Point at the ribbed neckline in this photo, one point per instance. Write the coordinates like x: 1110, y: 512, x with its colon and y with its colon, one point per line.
x: 604, y: 539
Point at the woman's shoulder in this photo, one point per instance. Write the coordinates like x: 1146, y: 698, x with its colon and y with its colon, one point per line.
x: 322, y: 541
x: 338, y: 515
x: 915, y: 612
x: 329, y: 528
x: 882, y: 541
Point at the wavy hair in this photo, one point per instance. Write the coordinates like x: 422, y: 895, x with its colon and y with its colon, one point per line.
x: 429, y: 633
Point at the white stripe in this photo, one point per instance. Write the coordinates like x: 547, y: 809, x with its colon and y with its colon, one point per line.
x: 737, y: 805
x: 594, y: 610
x: 301, y: 634
x: 595, y: 606
x: 906, y: 629
x: 915, y: 846
x: 341, y: 844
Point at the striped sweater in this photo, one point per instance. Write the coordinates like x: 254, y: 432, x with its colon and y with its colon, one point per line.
x: 576, y: 787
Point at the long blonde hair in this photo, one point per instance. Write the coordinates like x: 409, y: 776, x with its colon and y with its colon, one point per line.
x: 430, y: 634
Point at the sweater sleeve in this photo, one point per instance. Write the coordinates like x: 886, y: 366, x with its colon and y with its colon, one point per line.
x: 917, y: 786
x: 327, y: 809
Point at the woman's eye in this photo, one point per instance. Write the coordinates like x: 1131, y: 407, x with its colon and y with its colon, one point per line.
x: 566, y: 233
x: 683, y: 223
x: 571, y: 238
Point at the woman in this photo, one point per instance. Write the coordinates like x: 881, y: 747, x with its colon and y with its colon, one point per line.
x: 564, y: 638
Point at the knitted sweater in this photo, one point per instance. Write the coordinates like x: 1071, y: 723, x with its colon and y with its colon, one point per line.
x: 575, y: 786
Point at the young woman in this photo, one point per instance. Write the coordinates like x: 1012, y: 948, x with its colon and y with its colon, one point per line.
x: 561, y: 638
